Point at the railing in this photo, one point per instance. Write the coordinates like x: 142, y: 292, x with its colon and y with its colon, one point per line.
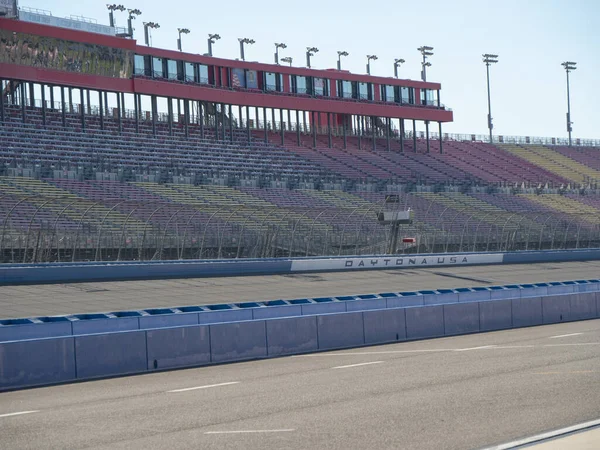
x: 48, y: 229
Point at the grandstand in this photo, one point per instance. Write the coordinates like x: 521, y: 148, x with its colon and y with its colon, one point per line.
x: 112, y: 150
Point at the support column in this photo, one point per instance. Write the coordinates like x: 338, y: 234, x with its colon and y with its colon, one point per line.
x: 314, y: 129
x: 136, y: 106
x: 170, y: 115
x: 427, y: 134
x: 374, y: 132
x: 106, y: 103
x: 265, y: 125
x: 153, y: 113
x: 89, y: 103
x: 51, y: 97
x: 289, y: 114
x: 216, y: 122
x: 441, y: 139
x: 201, y: 118
x: 388, y: 125
x: 71, y: 100
x: 256, y: 115
x: 186, y: 117
x: 120, y: 109
x: 223, y: 121
x: 402, y: 135
x: 359, y: 126
x: 304, y: 121
x: 248, y: 123
x: 63, y: 106
x: 414, y: 136
x: 345, y: 131
x: 241, y: 113
x: 282, y: 127
x: 230, y: 124
x: 273, y: 119
x: 82, y: 109
x: 43, y: 104
x: 1, y: 100
x: 31, y: 96
x: 101, y: 109
x: 330, y: 139
x: 23, y: 100
x: 298, y: 128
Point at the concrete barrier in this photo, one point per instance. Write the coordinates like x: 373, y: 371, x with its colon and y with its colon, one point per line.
x: 556, y: 308
x: 178, y: 347
x: 292, y: 335
x: 271, y: 312
x: 583, y: 306
x: 20, y: 329
x: 384, y: 326
x: 102, y: 355
x: 424, y: 322
x: 340, y: 330
x: 228, y: 315
x: 160, y: 319
x: 403, y: 302
x: 496, y: 315
x: 324, y: 308
x: 238, y: 341
x: 461, y: 318
x: 366, y: 305
x: 37, y: 362
x: 526, y: 311
x: 100, y: 323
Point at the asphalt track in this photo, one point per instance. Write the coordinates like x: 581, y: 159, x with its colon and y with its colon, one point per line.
x: 464, y: 392
x: 41, y: 300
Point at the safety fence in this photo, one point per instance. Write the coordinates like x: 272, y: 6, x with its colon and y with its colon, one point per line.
x: 60, y: 229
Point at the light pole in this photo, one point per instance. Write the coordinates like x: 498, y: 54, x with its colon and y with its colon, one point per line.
x: 397, y: 63
x: 133, y: 13
x: 426, y: 51
x: 310, y: 51
x: 181, y: 31
x: 147, y: 33
x: 287, y: 59
x: 212, y: 38
x: 339, y: 61
x: 369, y: 59
x: 569, y: 66
x: 112, y: 8
x: 242, y: 42
x: 277, y: 47
x: 488, y: 60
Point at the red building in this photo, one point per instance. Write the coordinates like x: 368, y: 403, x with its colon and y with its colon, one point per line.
x: 65, y: 70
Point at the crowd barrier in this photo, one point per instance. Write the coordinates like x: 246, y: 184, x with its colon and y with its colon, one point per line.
x: 11, y: 274
x: 37, y: 362
x: 79, y: 324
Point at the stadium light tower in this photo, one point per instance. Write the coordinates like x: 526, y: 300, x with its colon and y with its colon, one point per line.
x: 369, y: 59
x: 133, y: 13
x: 489, y: 60
x: 147, y: 33
x: 339, y: 62
x: 426, y: 51
x: 181, y: 31
x: 277, y: 47
x: 310, y: 51
x: 287, y: 59
x: 242, y: 42
x: 569, y: 66
x: 212, y: 38
x: 397, y: 63
x: 111, y: 16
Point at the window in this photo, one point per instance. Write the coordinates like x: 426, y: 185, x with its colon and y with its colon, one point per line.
x: 171, y: 69
x: 299, y: 84
x: 157, y: 67
x: 139, y: 65
x: 408, y: 95
x: 273, y: 82
x: 363, y: 91
x: 189, y: 73
x: 321, y: 86
x: 202, y: 74
x: 388, y: 94
x: 344, y: 89
x: 429, y: 97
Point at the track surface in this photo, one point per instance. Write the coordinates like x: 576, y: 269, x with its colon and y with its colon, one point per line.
x: 25, y: 301
x: 416, y: 395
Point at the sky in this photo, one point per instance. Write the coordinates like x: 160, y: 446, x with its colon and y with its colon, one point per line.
x: 531, y: 37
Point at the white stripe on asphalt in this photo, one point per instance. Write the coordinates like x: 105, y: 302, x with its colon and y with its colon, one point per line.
x: 565, y: 335
x: 474, y: 348
x: 20, y: 413
x: 545, y: 436
x: 204, y: 387
x: 285, y: 430
x: 357, y: 365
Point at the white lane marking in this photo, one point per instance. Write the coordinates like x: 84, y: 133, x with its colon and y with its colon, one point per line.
x: 20, y: 413
x: 208, y: 386
x: 385, y: 352
x: 565, y: 335
x: 572, y: 345
x: 284, y: 430
x: 544, y: 436
x: 474, y: 348
x: 357, y: 365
